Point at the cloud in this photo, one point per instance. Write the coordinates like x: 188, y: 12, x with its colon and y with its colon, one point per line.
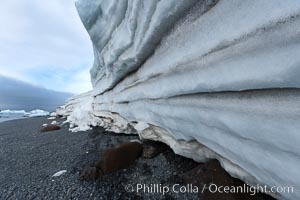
x: 45, y: 43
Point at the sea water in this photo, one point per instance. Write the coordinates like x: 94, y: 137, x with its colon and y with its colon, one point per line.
x: 18, y: 108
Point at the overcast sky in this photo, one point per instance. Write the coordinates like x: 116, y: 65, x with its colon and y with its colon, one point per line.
x: 44, y: 43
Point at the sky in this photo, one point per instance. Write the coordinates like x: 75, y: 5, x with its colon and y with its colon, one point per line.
x: 45, y: 44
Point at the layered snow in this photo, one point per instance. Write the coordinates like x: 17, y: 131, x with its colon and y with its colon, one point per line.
x: 82, y: 117
x: 212, y: 79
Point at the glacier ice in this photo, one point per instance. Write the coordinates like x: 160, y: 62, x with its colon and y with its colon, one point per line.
x: 6, y: 115
x: 212, y: 79
x: 37, y: 113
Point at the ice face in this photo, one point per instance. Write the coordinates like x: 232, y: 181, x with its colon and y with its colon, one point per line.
x: 125, y: 33
x: 213, y: 79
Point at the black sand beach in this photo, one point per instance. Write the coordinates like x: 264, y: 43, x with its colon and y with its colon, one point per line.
x: 29, y: 158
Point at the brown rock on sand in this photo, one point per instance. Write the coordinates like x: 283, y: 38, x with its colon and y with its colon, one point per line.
x: 113, y: 159
x: 90, y: 173
x: 50, y: 128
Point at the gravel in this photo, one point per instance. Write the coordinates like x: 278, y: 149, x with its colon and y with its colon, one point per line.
x: 29, y: 159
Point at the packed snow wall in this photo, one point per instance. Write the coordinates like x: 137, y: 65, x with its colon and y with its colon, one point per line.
x: 212, y: 79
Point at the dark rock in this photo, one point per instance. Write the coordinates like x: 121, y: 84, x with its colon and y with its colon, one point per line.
x: 152, y: 148
x: 90, y: 173
x: 114, y: 159
x: 50, y: 128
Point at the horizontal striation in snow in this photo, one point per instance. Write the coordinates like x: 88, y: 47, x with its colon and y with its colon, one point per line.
x: 222, y: 73
x: 258, y: 130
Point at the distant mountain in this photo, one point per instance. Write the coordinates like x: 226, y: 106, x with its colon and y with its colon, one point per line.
x: 18, y: 95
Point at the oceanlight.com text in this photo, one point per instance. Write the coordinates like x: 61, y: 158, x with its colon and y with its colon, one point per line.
x: 212, y: 188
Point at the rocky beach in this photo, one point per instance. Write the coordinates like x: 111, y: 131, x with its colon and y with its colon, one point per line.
x: 30, y: 158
